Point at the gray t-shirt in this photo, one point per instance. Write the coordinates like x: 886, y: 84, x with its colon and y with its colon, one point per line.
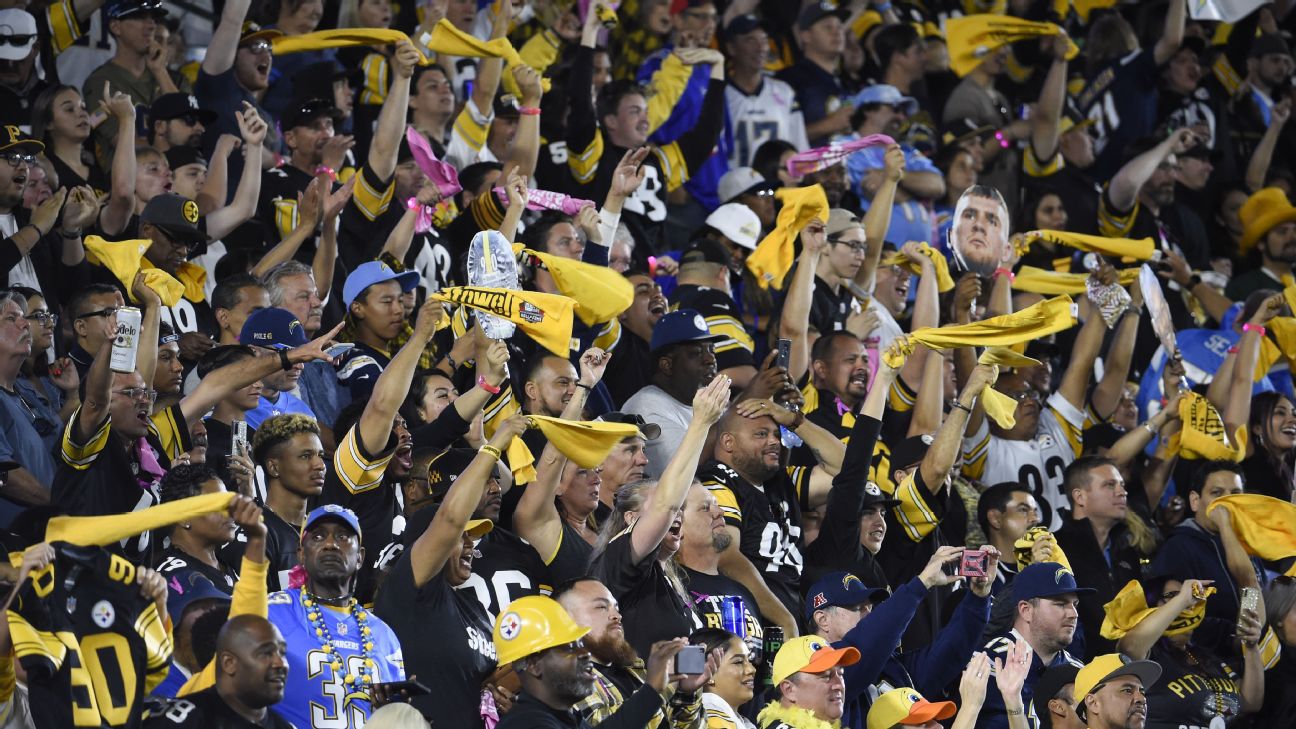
x: 19, y: 440
x: 655, y: 405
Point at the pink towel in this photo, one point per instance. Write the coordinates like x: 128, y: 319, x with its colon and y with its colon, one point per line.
x: 546, y: 200
x: 443, y: 174
x: 489, y: 711
x: 820, y: 158
x: 151, y: 470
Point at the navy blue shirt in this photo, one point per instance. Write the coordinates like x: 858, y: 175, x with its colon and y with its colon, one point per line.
x: 820, y: 93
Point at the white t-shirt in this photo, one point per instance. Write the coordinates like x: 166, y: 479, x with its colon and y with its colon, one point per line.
x: 23, y: 273
x: 655, y: 405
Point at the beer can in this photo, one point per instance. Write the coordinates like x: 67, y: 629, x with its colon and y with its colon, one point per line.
x: 773, y: 641
x: 733, y: 616
x: 126, y: 341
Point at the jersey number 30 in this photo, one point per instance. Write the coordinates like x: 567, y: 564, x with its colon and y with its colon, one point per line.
x: 102, y: 678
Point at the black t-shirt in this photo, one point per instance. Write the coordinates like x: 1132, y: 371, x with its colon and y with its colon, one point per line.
x: 67, y: 177
x: 282, y: 542
x: 706, y: 593
x: 508, y: 568
x: 180, y: 565
x: 901, y: 558
x: 829, y: 309
x: 207, y: 710
x: 572, y: 559
x: 1197, y: 690
x: 651, y: 609
x: 445, y: 636
x: 220, y: 443
x: 630, y: 369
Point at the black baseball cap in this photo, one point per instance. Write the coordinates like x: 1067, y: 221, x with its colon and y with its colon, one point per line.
x: 445, y: 467
x: 706, y: 250
x: 15, y: 140
x: 815, y: 12
x: 182, y: 155
x: 910, y: 451
x: 875, y: 496
x: 118, y: 9
x: 1269, y: 44
x: 177, y: 216
x: 302, y: 112
x: 316, y: 80
x: 1050, y: 684
x: 174, y: 106
x: 507, y: 105
x: 742, y: 25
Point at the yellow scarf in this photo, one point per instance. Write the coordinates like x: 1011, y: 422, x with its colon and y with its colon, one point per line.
x: 546, y: 318
x: 998, y: 406
x: 1051, y: 283
x: 943, y: 281
x: 776, y: 714
x: 1129, y: 608
x: 600, y: 293
x: 1035, y: 321
x: 341, y: 38
x: 772, y: 259
x: 973, y: 37
x: 1026, y: 542
x: 1127, y: 249
x: 586, y: 443
x: 125, y: 258
x: 101, y: 531
x: 1202, y: 435
x: 1263, y: 524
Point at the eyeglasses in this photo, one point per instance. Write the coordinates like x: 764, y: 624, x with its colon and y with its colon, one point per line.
x: 258, y: 46
x: 45, y: 318
x: 17, y: 159
x: 1028, y: 394
x: 110, y: 311
x: 767, y: 192
x: 16, y: 40
x: 855, y: 246
x: 138, y: 393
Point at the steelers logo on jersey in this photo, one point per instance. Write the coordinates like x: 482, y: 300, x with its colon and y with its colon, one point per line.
x: 510, y: 624
x: 103, y: 614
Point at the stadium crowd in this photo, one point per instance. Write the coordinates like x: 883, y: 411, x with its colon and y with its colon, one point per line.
x: 688, y: 363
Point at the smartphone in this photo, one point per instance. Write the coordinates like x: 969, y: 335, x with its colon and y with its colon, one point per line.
x: 238, y: 438
x: 1250, y: 601
x: 691, y: 660
x: 339, y: 349
x: 403, y: 691
x: 973, y: 563
x: 784, y: 353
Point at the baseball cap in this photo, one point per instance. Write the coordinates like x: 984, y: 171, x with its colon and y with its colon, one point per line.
x: 963, y: 130
x: 507, y: 105
x: 742, y: 25
x: 810, y: 654
x: 841, y: 220
x: 252, y: 32
x: 839, y: 589
x: 445, y: 467
x: 906, y: 707
x: 117, y: 9
x: 316, y: 80
x: 815, y: 12
x: 874, y: 496
x: 1107, y: 667
x: 187, y: 588
x: 678, y: 327
x: 742, y: 180
x: 177, y: 216
x: 332, y: 511
x: 1269, y: 44
x: 910, y: 451
x: 1051, y: 682
x: 1045, y: 579
x: 374, y: 272
x: 16, y: 25
x: 706, y: 250
x: 649, y: 431
x: 182, y: 155
x: 16, y: 140
x: 174, y: 106
x: 273, y: 328
x: 738, y: 223
x: 886, y: 94
x: 302, y: 112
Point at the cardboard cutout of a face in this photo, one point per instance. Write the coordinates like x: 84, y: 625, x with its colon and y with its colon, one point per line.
x: 979, y: 237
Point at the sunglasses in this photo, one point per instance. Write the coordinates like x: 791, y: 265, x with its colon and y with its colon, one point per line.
x: 18, y: 41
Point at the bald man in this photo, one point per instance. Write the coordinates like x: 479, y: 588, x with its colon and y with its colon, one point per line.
x: 251, y: 670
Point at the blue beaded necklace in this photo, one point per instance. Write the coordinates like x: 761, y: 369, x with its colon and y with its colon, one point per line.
x: 368, y: 667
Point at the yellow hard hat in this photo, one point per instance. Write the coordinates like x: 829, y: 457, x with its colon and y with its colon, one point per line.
x: 532, y: 624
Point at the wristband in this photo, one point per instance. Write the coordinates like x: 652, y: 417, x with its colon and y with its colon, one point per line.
x: 529, y: 110
x: 1249, y: 327
x: 326, y: 170
x: 962, y: 407
x: 583, y: 386
x: 1193, y: 281
x: 488, y: 387
x: 283, y: 360
x: 1149, y: 427
x: 491, y: 450
x: 69, y: 236
x: 1003, y: 140
x: 1233, y: 350
x: 1014, y: 712
x: 1012, y: 277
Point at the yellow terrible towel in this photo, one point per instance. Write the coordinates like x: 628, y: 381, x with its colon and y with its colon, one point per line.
x: 772, y: 259
x: 586, y: 443
x: 973, y: 37
x: 100, y: 531
x: 1126, y: 248
x: 998, y: 406
x: 1051, y: 283
x: 1039, y: 320
x: 943, y: 280
x: 600, y: 293
x: 125, y: 258
x: 1129, y: 608
x: 1203, y: 434
x: 546, y: 318
x: 1266, y: 526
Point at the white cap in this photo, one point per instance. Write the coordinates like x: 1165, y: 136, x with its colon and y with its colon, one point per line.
x: 739, y: 180
x: 14, y: 21
x: 738, y: 223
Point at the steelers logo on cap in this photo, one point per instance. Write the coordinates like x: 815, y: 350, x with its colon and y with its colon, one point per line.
x: 872, y: 489
x: 190, y: 211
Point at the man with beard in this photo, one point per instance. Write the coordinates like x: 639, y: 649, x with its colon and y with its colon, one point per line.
x: 619, y: 671
x: 833, y: 179
x: 631, y: 368
x: 251, y: 674
x: 545, y: 647
x: 176, y: 120
x: 683, y: 355
x: 1046, y: 597
x: 1269, y: 224
x: 274, y: 329
x: 704, y: 538
x: 628, y: 460
x: 809, y: 675
x: 1111, y: 692
x: 882, y: 109
x: 330, y: 636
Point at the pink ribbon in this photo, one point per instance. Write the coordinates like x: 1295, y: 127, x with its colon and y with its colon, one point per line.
x: 821, y: 158
x: 547, y: 200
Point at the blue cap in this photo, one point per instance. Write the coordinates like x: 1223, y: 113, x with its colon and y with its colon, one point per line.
x: 274, y: 329
x: 186, y: 588
x: 839, y: 589
x: 114, y: 9
x: 333, y: 511
x: 1045, y: 579
x: 886, y: 94
x: 374, y: 272
x: 677, y: 327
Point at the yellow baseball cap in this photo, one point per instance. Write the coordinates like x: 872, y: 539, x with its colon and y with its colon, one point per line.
x: 811, y: 654
x: 906, y: 707
x: 1104, y: 668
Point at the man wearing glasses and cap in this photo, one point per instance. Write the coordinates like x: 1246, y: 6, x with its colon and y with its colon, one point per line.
x: 176, y: 120
x: 137, y: 69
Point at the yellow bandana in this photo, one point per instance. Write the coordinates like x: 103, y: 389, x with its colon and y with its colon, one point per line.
x: 973, y: 37
x: 943, y: 281
x: 1033, y: 322
x: 1127, y: 249
x: 772, y: 259
x: 1026, y: 542
x: 546, y: 318
x: 1202, y: 435
x: 586, y: 443
x: 600, y: 293
x: 1129, y: 608
x: 1051, y: 283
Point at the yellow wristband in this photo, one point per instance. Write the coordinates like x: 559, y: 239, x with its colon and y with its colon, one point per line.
x: 491, y: 450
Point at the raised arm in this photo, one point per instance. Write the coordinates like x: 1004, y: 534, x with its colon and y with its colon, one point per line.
x: 326, y: 252
x: 1123, y: 189
x: 516, y: 188
x: 664, y: 501
x: 926, y: 312
x: 929, y: 406
x: 445, y: 534
x: 390, y: 127
x: 223, y: 46
x: 225, y: 219
x: 214, y: 191
x: 1258, y: 166
x: 146, y: 354
x: 1116, y: 365
x: 1172, y: 34
x: 878, y: 218
x: 1238, y: 410
x: 375, y: 426
x: 526, y: 141
x: 1130, y: 445
x: 98, y: 395
x: 794, y: 324
x: 1048, y: 111
x: 1138, y: 642
x: 310, y: 207
x: 939, y: 459
x: 1075, y: 380
x: 121, y: 201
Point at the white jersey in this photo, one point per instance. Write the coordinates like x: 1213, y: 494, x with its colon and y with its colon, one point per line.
x: 771, y: 113
x: 1039, y: 463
